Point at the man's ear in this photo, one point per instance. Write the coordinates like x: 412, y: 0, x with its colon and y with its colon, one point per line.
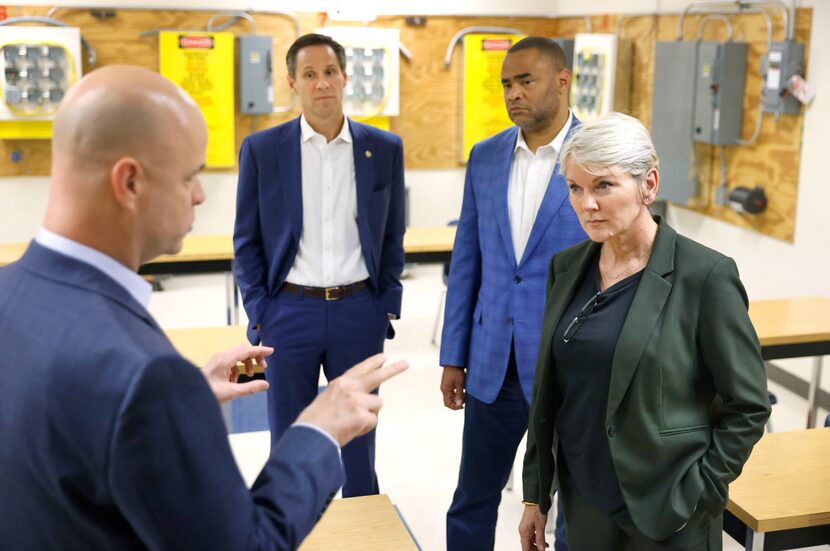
x: 291, y: 84
x: 564, y: 78
x: 125, y: 181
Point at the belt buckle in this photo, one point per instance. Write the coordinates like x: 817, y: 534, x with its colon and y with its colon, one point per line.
x: 332, y: 293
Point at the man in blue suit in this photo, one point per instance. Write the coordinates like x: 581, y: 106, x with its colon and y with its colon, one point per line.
x: 514, y: 217
x: 319, y: 243
x: 109, y: 439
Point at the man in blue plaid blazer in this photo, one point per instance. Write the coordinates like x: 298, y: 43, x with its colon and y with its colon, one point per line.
x: 515, y: 216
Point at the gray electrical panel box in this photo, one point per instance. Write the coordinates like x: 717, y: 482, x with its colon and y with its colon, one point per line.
x: 719, y: 92
x: 256, y: 79
x: 672, y: 115
x: 567, y: 45
x: 782, y: 61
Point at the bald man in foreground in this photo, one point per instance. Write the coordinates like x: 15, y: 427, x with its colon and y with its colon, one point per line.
x: 108, y: 438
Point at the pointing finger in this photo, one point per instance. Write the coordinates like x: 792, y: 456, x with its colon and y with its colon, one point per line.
x: 373, y: 379
x: 367, y: 366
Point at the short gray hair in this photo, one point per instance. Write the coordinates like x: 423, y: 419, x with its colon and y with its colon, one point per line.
x: 614, y: 140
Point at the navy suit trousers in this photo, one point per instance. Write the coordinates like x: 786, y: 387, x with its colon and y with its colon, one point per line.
x: 307, y: 333
x: 492, y: 433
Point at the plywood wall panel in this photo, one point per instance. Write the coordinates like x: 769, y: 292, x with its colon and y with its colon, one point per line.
x: 430, y: 120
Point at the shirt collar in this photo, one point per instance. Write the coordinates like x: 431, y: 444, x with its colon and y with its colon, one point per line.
x: 133, y: 283
x: 308, y: 133
x: 555, y: 144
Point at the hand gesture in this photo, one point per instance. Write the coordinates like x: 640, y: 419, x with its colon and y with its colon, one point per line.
x: 223, y: 369
x: 347, y: 408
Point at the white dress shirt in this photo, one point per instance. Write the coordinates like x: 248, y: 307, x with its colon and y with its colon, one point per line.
x: 529, y: 177
x: 329, y: 253
x: 134, y: 284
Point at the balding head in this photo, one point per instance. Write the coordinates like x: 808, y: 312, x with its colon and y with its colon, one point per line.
x: 123, y: 138
x: 116, y: 111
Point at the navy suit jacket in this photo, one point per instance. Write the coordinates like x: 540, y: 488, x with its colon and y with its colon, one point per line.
x: 269, y: 213
x: 109, y: 439
x: 493, y: 298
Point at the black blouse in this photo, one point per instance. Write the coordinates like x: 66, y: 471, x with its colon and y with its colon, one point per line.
x: 583, y: 350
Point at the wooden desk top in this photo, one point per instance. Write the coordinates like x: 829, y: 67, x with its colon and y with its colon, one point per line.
x: 220, y: 247
x: 200, y: 343
x: 200, y: 248
x: 197, y: 248
x: 791, y: 321
x: 786, y: 482
x: 10, y: 252
x: 438, y: 239
x: 194, y: 248
x: 367, y: 523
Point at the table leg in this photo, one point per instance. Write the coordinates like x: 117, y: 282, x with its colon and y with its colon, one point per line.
x: 230, y: 288
x: 235, y: 299
x: 754, y: 540
x: 812, y: 396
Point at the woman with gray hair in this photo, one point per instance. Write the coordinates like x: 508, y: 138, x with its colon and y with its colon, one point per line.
x: 650, y: 391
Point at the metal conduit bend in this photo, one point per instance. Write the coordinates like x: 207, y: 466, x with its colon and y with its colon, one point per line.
x: 470, y: 30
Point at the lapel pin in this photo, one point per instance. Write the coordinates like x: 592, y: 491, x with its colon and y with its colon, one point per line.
x: 368, y: 154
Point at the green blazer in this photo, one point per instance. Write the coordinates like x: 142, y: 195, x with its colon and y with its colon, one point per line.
x: 688, y: 394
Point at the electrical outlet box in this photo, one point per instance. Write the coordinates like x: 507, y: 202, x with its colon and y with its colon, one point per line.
x: 781, y: 62
x: 672, y: 115
x: 719, y: 92
x: 256, y: 75
x: 40, y: 64
x: 372, y: 68
x: 601, y: 75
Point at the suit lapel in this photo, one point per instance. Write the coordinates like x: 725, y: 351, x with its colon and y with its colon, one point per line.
x: 555, y: 195
x: 365, y: 171
x: 651, y: 296
x: 291, y: 180
x: 500, y: 178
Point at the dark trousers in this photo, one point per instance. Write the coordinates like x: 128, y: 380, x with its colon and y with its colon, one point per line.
x: 590, y: 529
x: 308, y: 333
x: 492, y: 433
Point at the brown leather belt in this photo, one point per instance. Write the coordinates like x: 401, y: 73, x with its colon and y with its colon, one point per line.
x: 327, y: 293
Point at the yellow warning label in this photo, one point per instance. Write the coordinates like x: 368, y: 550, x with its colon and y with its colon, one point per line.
x: 203, y: 64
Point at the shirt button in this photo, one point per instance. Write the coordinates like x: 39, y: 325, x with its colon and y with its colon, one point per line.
x: 517, y: 280
x: 612, y: 431
x: 509, y: 321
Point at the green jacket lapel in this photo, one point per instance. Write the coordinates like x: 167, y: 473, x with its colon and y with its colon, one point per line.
x: 645, y: 310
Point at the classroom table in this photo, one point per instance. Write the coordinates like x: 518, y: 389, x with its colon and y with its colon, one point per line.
x: 794, y: 328
x: 198, y: 344
x: 214, y: 253
x: 202, y: 254
x: 783, y: 493
x: 369, y: 523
